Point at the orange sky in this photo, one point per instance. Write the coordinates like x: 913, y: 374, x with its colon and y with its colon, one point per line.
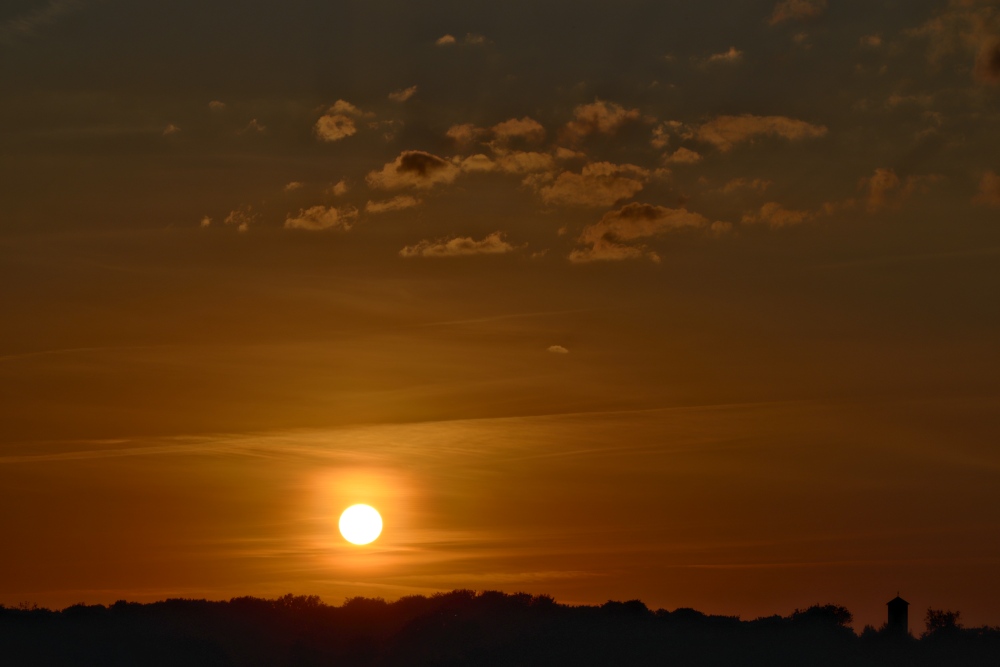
x: 695, y: 305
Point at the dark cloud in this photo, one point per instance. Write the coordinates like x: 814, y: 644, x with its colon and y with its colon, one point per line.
x: 414, y: 169
x: 613, y: 236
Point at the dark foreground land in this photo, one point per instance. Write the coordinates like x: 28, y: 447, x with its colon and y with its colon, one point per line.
x: 465, y: 628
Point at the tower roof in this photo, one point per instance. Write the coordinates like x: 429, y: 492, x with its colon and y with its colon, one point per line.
x: 897, y: 601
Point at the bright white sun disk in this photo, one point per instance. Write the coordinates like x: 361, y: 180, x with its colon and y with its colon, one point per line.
x: 360, y: 524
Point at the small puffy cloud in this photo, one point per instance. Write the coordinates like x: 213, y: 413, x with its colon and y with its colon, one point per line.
x: 738, y: 184
x: 206, y: 221
x: 598, y: 117
x: 796, y: 9
x: 476, y: 163
x: 558, y: 349
x: 493, y: 244
x: 775, y: 215
x: 445, y: 40
x: 879, y: 186
x: 464, y: 134
x: 523, y: 162
x: 317, y: 218
x: 414, y: 169
x: 400, y: 96
x: 339, y: 188
x: 608, y: 239
x: 338, y: 122
x: 170, y: 129
x: 395, y: 204
x: 254, y: 126
x: 683, y: 156
x: 872, y: 41
x: 475, y: 40
x: 345, y: 107
x: 989, y: 190
x: 733, y: 55
x: 334, y: 127
x: 216, y: 105
x: 597, y: 184
x: 884, y: 189
x: 661, y: 138
x: 724, y: 132
x: 293, y: 186
x: 523, y: 128
x: 240, y: 218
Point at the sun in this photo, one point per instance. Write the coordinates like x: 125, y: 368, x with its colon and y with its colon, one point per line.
x: 360, y: 524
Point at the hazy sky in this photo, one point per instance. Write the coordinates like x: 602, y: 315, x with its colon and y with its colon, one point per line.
x: 688, y: 302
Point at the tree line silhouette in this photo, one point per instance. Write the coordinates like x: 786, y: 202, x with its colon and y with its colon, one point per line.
x: 467, y: 628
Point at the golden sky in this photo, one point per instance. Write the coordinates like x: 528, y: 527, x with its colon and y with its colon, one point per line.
x: 688, y: 302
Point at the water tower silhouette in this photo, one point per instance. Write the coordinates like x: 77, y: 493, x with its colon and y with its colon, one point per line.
x: 898, y: 624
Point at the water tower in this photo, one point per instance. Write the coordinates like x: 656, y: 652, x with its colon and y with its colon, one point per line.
x: 898, y: 624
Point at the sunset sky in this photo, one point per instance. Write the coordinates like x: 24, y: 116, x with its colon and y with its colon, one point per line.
x: 690, y: 302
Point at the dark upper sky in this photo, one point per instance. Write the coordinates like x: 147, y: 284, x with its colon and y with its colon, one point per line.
x: 691, y: 302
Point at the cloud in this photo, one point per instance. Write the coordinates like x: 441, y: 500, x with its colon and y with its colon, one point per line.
x: 293, y: 186
x: 475, y: 40
x: 334, y: 127
x: 523, y: 128
x: 400, y: 96
x: 206, y: 221
x: 683, y: 156
x: 797, y: 9
x: 598, y: 118
x: 720, y: 228
x: 737, y: 184
x: 989, y: 190
x: 170, y: 129
x: 464, y: 134
x: 607, y: 239
x: 523, y: 162
x: 317, y: 218
x: 414, y: 169
x: 724, y: 132
x: 733, y: 55
x: 494, y: 244
x: 398, y: 203
x: 338, y: 122
x: 339, y: 188
x: 216, y: 105
x: 28, y: 24
x: 966, y: 28
x: 476, y: 163
x: 557, y: 349
x: 872, y: 41
x: 445, y: 40
x: 987, y: 67
x: 597, y: 184
x: 240, y: 218
x: 775, y: 215
x: 884, y: 189
x: 254, y: 126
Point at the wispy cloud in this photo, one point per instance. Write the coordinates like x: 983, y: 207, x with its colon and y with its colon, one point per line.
x: 724, y: 132
x: 317, y: 218
x: 493, y: 244
x: 787, y: 10
x: 28, y: 24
